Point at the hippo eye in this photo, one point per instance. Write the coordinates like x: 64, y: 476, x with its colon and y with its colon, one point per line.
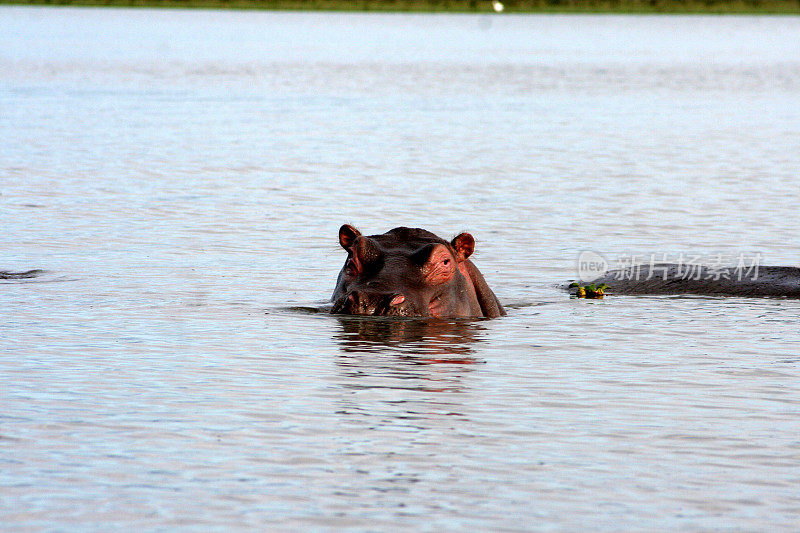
x: 446, y: 262
x: 350, y: 269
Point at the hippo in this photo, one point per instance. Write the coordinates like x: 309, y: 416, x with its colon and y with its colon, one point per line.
x: 20, y: 275
x: 410, y: 272
x: 766, y: 281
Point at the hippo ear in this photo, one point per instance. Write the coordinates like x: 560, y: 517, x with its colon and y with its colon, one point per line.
x: 464, y: 245
x: 348, y: 234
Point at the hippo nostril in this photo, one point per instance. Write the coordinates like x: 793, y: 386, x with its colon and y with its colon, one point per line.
x: 371, y: 303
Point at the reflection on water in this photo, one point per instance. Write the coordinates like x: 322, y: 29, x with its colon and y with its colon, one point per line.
x: 415, y: 354
x: 429, y: 355
x: 422, y: 336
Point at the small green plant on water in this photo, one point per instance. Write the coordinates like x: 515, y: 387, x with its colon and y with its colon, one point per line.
x: 588, y: 291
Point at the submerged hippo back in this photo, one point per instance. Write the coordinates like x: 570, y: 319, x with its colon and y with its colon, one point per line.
x: 766, y: 281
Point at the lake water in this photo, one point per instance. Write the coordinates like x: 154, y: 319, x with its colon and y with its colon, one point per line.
x: 181, y: 176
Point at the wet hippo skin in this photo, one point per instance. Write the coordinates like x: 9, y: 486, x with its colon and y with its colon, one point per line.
x: 767, y: 281
x: 20, y: 275
x: 411, y: 272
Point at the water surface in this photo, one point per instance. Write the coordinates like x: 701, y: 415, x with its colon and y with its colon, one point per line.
x: 181, y: 177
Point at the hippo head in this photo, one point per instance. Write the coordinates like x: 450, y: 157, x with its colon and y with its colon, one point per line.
x: 410, y: 272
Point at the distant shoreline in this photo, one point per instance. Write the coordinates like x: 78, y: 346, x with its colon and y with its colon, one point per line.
x: 737, y: 7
